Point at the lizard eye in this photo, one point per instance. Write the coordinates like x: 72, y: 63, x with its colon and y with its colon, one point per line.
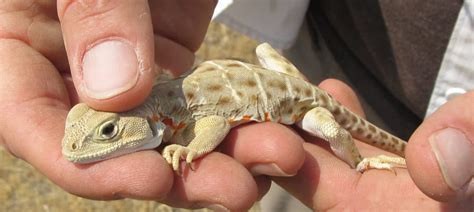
x: 108, y: 130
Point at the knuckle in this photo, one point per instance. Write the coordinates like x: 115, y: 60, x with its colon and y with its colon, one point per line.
x: 15, y: 5
x: 84, y: 9
x: 15, y: 18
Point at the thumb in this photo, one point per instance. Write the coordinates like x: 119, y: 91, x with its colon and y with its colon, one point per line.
x: 110, y: 51
x: 440, y: 154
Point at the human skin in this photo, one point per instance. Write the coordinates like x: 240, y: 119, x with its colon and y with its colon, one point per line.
x: 36, y: 92
x: 325, y: 183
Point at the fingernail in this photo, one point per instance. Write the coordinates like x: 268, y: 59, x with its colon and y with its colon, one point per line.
x: 211, y: 206
x: 217, y: 207
x: 455, y: 156
x: 268, y: 169
x: 109, y: 68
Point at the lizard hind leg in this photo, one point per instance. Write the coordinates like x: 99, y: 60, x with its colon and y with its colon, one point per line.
x: 321, y: 123
x: 270, y: 59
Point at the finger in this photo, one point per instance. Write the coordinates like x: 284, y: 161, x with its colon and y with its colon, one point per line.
x: 323, y: 174
x: 36, y: 24
x: 260, y: 147
x: 179, y: 28
x: 344, y: 94
x: 324, y: 184
x: 319, y: 179
x: 275, y: 150
x: 173, y: 59
x: 110, y: 51
x: 27, y: 80
x: 440, y: 154
x: 218, y: 182
x: 348, y: 98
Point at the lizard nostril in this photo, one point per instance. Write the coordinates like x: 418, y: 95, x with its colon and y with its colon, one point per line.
x: 73, y: 146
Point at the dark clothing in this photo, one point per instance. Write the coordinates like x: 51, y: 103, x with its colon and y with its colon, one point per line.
x: 390, y: 50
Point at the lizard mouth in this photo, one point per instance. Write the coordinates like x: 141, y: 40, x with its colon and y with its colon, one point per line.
x: 157, y: 131
x: 153, y: 127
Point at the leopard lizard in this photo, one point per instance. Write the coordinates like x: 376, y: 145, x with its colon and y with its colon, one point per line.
x: 191, y: 115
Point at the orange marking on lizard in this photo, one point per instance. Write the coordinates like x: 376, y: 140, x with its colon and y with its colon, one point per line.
x: 181, y: 125
x: 167, y: 121
x: 267, y: 116
x: 176, y: 128
x: 246, y: 118
x: 155, y: 118
x: 296, y: 118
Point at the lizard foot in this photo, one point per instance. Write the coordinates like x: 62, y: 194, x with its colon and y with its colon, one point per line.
x: 174, y: 153
x: 381, y: 162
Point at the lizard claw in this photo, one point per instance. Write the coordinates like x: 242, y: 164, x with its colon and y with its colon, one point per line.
x: 174, y: 153
x: 191, y: 166
x: 189, y: 159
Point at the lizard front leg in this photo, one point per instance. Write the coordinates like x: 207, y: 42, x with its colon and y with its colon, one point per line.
x: 208, y: 133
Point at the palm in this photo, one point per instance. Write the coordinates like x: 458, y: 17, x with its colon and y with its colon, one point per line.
x: 334, y: 185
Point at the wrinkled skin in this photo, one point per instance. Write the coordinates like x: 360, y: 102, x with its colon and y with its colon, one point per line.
x: 36, y: 91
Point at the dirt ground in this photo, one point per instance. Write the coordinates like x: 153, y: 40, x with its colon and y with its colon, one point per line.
x: 22, y: 188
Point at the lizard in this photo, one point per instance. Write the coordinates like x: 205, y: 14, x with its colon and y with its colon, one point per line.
x: 191, y: 115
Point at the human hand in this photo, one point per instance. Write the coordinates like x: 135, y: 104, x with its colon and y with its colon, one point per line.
x: 36, y: 92
x: 325, y: 182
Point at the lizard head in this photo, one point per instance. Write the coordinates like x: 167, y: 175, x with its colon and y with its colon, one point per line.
x: 92, y: 135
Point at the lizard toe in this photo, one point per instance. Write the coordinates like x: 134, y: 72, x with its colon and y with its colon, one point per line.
x: 169, y: 152
x: 177, y: 157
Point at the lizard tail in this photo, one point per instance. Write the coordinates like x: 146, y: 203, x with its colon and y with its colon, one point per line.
x: 367, y: 132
